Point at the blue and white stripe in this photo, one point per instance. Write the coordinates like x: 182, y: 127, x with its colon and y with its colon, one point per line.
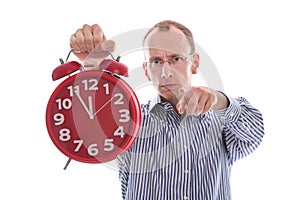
x: 188, y: 158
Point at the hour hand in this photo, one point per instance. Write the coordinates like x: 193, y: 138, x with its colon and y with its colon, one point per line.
x: 89, y: 109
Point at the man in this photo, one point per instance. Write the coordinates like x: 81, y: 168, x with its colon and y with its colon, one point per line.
x: 190, y: 135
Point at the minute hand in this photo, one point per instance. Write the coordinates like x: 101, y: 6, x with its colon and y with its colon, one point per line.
x: 88, y: 110
x: 103, y: 105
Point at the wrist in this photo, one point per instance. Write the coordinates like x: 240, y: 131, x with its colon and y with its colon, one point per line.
x: 221, y: 101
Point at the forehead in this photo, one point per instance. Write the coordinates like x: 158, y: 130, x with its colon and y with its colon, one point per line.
x: 167, y: 41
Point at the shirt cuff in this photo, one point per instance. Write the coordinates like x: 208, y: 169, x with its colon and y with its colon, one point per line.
x: 232, y: 112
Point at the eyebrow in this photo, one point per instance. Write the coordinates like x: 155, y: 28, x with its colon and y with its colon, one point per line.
x: 169, y: 56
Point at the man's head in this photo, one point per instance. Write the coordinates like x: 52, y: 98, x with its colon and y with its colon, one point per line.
x: 170, y: 58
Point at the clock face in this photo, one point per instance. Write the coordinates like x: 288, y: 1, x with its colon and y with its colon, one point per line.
x: 93, y: 116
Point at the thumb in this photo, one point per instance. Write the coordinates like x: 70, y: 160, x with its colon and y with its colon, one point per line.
x: 182, y: 101
x: 108, y: 45
x: 102, y: 50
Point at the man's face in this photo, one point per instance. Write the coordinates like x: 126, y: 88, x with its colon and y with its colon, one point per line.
x: 169, y: 78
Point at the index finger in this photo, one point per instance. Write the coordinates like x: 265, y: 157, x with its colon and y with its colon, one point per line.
x: 183, y: 102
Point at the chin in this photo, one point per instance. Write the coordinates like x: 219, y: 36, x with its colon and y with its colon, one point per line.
x: 169, y: 95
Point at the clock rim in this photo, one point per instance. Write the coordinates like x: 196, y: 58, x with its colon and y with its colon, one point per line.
x: 136, y: 116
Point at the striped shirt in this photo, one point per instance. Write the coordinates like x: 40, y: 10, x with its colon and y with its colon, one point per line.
x: 188, y: 158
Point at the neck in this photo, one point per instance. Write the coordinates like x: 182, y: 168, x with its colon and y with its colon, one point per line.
x: 173, y: 101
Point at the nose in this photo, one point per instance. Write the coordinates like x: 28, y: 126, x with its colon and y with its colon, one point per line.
x: 166, y: 72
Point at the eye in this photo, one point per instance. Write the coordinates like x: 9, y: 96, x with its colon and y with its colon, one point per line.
x: 156, y: 62
x: 177, y: 59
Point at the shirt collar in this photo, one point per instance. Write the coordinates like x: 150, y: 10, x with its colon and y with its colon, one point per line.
x: 155, y: 100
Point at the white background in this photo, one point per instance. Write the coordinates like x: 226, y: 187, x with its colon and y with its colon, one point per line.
x: 255, y: 46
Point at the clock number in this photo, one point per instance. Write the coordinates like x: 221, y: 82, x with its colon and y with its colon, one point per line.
x: 64, y: 135
x: 90, y: 84
x: 65, y: 103
x: 108, y: 144
x: 93, y: 150
x: 124, y: 115
x: 59, y: 119
x: 106, y: 86
x: 119, y: 132
x: 119, y: 101
x: 79, y: 144
x: 71, y: 89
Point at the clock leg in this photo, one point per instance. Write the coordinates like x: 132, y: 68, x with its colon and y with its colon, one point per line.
x: 67, y: 164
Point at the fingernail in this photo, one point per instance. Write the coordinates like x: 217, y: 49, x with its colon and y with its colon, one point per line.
x: 179, y: 108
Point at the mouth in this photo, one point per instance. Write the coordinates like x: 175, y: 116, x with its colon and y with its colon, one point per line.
x: 169, y: 86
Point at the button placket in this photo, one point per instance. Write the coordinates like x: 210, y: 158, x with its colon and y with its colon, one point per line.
x: 186, y: 159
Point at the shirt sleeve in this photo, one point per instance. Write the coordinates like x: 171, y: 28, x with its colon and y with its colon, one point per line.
x: 123, y: 165
x: 243, y: 128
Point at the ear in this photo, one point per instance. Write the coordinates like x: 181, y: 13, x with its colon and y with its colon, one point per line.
x: 146, y: 71
x: 196, y: 62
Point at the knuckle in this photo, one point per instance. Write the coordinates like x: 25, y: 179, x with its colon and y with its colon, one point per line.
x: 86, y: 26
x: 97, y: 40
x: 78, y: 32
x: 80, y: 41
x: 200, y: 109
x: 88, y: 40
x: 72, y: 40
x: 96, y: 26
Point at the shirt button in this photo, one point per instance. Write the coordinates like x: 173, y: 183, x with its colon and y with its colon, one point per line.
x: 231, y: 114
x: 184, y: 146
x: 182, y: 126
x: 242, y: 126
x: 186, y: 171
x: 185, y: 198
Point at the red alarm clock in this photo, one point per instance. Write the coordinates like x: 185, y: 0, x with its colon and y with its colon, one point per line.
x: 93, y: 116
